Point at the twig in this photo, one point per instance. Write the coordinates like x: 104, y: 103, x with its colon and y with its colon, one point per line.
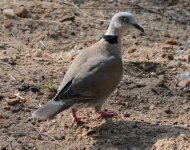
x: 155, y: 12
x: 13, y: 68
x: 44, y: 134
x: 12, y: 77
x: 9, y: 65
x: 43, y: 20
x: 10, y: 145
x: 18, y: 95
x: 83, y: 13
x: 77, y: 43
x: 108, y: 8
x: 35, y: 133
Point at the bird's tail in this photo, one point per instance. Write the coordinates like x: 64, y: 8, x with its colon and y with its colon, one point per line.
x: 50, y: 109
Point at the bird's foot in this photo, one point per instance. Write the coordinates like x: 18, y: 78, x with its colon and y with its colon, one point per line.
x: 106, y: 114
x: 77, y: 120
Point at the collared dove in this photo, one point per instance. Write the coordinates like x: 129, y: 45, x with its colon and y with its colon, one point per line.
x: 93, y: 75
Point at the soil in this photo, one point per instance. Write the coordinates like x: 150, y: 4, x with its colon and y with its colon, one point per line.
x: 39, y: 40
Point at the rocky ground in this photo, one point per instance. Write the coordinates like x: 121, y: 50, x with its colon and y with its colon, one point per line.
x: 38, y: 41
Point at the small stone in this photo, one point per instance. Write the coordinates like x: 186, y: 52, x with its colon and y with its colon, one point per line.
x: 23, y: 87
x: 59, y: 137
x: 1, y: 97
x: 184, y: 83
x: 3, y: 115
x: 135, y: 126
x: 68, y: 18
x: 12, y: 102
x: 166, y: 47
x: 148, y: 66
x: 9, y: 13
x: 175, y: 123
x: 183, y: 137
x: 170, y: 57
x: 181, y: 58
x: 173, y: 63
x: 126, y: 114
x: 163, y: 55
x: 7, y: 107
x: 174, y: 69
x: 91, y: 132
x: 167, y: 111
x: 38, y: 53
x: 132, y: 50
x: 17, y: 108
x: 22, y: 12
x: 183, y: 76
x: 172, y: 42
x: 152, y: 107
x: 187, y: 58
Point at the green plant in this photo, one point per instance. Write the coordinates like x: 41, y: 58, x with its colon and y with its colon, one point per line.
x: 50, y: 87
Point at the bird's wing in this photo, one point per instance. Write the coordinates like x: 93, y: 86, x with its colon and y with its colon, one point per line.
x: 97, y: 77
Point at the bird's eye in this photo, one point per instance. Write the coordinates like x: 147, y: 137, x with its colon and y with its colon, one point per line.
x: 125, y: 19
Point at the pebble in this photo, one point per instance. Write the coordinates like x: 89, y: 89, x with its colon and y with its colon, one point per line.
x: 17, y: 108
x: 183, y: 76
x: 183, y: 79
x: 3, y: 115
x: 22, y: 12
x: 168, y: 111
x: 152, y: 107
x: 173, y: 63
x: 135, y: 126
x: 183, y: 137
x: 9, y: 13
x: 132, y: 50
x: 166, y: 47
x: 187, y: 58
x: 12, y: 102
x: 91, y: 132
x: 172, y: 42
x: 170, y: 56
x: 184, y: 83
x: 38, y: 53
x: 7, y: 107
x: 126, y: 114
x: 23, y: 87
x: 1, y: 97
x: 148, y: 66
x: 163, y: 55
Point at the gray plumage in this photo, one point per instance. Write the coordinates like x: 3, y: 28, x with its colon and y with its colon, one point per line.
x: 93, y: 75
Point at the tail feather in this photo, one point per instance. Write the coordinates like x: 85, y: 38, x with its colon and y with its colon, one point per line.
x: 50, y: 109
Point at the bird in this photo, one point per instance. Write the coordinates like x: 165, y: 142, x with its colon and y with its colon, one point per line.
x: 93, y: 75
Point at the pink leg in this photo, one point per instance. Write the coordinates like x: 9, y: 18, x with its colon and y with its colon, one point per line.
x: 106, y: 114
x: 76, y: 119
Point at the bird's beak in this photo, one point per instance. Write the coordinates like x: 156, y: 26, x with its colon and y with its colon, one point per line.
x: 137, y: 26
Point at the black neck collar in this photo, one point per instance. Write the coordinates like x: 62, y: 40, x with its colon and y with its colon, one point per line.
x: 112, y: 39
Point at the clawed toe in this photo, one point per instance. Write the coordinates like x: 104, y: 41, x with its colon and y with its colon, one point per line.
x: 106, y: 114
x: 78, y: 121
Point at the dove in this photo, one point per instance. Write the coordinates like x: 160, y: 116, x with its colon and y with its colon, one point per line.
x: 93, y: 75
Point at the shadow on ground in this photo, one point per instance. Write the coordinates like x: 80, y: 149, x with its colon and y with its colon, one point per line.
x: 132, y: 135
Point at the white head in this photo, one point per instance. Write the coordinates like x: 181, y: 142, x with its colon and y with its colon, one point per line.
x: 122, y: 22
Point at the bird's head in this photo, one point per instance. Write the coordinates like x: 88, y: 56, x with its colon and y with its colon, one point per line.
x: 121, y: 23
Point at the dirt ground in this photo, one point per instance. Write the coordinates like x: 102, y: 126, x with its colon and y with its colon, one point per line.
x: 38, y: 41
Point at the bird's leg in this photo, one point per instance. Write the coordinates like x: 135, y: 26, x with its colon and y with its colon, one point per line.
x: 104, y: 114
x: 76, y: 119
